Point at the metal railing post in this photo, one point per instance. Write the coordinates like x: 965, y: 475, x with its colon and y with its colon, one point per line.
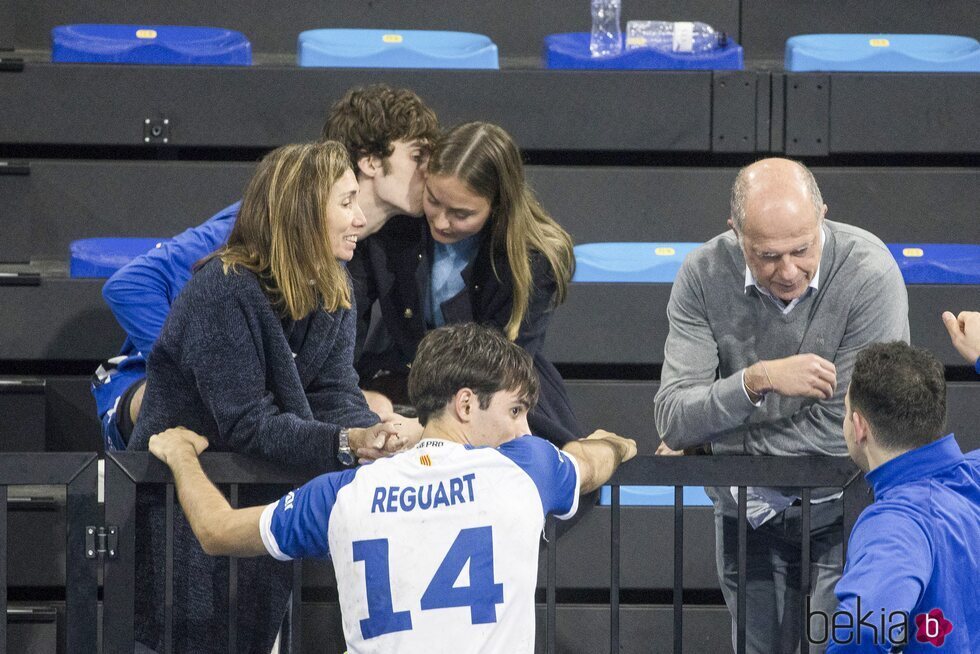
x: 168, y: 574
x: 804, y: 565
x: 296, y: 609
x: 81, y: 573
x: 119, y: 574
x: 3, y: 569
x: 551, y: 609
x: 742, y: 569
x: 857, y: 496
x: 678, y: 569
x: 614, y: 571
x: 233, y: 586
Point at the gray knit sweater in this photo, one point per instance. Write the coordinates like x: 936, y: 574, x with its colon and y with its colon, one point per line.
x: 717, y: 329
x: 227, y: 366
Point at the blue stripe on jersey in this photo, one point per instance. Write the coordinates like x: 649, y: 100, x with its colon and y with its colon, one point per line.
x: 553, y: 472
x: 300, y: 519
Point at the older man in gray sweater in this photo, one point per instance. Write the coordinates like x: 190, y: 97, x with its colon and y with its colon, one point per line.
x: 766, y: 321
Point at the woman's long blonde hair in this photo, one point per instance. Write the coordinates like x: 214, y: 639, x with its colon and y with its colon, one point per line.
x: 281, y: 233
x: 485, y: 158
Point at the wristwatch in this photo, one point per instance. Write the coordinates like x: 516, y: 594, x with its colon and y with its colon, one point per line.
x: 344, y: 453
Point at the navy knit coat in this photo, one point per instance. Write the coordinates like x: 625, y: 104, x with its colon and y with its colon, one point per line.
x: 229, y: 367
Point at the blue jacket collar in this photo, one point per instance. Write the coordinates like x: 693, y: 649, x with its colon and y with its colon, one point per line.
x: 920, y: 463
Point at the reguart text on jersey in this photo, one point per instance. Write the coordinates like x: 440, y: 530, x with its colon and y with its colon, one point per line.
x: 389, y: 499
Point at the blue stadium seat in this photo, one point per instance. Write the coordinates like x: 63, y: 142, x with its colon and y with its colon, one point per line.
x: 149, y: 44
x: 902, y: 53
x: 629, y: 262
x: 354, y: 48
x: 937, y: 263
x: 654, y: 496
x: 100, y: 257
x: 571, y: 50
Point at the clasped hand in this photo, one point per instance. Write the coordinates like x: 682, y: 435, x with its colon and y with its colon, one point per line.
x: 381, y: 440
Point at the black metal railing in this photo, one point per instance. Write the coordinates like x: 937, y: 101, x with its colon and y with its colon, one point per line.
x: 126, y: 471
x: 802, y: 474
x: 78, y: 473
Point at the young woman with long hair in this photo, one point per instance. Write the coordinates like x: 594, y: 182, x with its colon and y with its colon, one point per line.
x: 488, y: 253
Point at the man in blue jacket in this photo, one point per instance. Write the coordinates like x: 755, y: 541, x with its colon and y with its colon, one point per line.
x: 387, y: 133
x: 913, y: 564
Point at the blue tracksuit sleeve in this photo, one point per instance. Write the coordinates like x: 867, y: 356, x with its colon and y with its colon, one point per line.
x: 889, y: 563
x: 140, y: 294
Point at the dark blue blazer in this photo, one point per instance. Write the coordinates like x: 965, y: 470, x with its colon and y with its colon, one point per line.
x: 393, y: 270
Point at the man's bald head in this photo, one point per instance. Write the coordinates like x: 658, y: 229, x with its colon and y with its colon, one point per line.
x: 777, y: 213
x: 774, y: 180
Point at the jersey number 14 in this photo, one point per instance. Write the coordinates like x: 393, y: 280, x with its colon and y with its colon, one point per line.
x: 482, y: 595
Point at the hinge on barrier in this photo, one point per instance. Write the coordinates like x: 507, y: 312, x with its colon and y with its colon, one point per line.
x: 101, y: 540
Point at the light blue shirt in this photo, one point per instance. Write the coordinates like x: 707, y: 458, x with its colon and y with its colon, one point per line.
x: 446, y: 277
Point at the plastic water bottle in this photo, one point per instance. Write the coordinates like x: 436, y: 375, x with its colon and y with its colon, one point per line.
x: 666, y: 36
x: 607, y: 37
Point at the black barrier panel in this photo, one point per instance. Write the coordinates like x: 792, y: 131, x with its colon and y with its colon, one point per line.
x: 64, y: 104
x: 801, y: 474
x: 126, y: 471
x: 78, y: 473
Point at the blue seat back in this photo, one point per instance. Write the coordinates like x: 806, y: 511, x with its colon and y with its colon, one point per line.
x: 937, y: 263
x: 362, y: 48
x: 629, y: 262
x: 149, y: 44
x: 902, y: 53
x: 654, y: 496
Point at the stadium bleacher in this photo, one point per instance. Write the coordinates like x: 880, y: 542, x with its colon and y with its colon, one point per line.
x: 623, y: 156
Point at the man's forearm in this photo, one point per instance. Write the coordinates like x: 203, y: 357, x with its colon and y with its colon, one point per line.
x: 688, y: 415
x: 598, y: 459
x: 221, y: 530
x: 200, y: 500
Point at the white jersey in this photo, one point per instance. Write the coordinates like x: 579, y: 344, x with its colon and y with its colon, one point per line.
x: 435, y: 549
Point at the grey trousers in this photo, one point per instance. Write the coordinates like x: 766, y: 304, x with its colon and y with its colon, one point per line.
x: 775, y: 607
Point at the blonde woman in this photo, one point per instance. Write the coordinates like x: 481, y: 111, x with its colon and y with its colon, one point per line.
x: 488, y: 253
x: 256, y: 355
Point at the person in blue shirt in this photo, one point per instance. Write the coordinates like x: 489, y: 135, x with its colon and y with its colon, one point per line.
x: 387, y: 133
x: 472, y: 495
x: 964, y: 334
x: 913, y: 559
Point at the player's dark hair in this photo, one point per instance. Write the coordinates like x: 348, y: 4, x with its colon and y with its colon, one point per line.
x: 468, y: 356
x: 368, y: 120
x: 901, y: 391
